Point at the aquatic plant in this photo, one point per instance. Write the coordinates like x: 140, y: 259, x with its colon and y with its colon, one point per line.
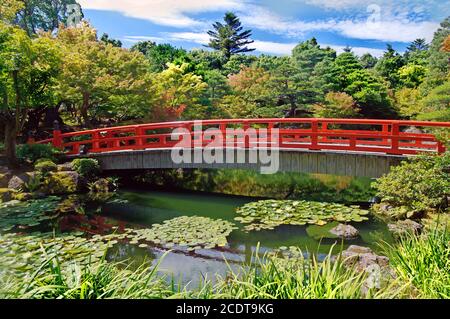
x: 268, y: 214
x: 27, y: 214
x: 191, y: 232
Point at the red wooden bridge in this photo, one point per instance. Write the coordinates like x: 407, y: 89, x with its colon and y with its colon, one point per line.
x: 355, y: 135
x: 357, y: 147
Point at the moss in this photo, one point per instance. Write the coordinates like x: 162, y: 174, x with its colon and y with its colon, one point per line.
x: 60, y: 183
x: 45, y: 166
x: 22, y: 197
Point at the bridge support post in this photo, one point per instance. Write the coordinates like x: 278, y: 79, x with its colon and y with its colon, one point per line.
x: 57, y: 137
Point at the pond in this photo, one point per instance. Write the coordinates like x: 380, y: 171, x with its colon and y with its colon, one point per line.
x: 145, y: 208
x: 142, y: 208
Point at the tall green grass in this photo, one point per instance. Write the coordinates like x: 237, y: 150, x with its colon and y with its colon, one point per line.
x: 100, y: 280
x: 424, y: 261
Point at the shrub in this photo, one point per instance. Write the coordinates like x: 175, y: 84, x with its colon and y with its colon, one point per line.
x: 86, y: 167
x: 45, y: 166
x: 30, y: 153
x: 420, y: 185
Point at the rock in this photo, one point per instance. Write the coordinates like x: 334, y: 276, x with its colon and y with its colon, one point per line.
x: 60, y: 183
x: 17, y: 182
x: 345, y: 231
x: 5, y: 195
x: 4, y: 179
x: 404, y: 227
x: 5, y: 170
x: 363, y: 259
x: 65, y: 167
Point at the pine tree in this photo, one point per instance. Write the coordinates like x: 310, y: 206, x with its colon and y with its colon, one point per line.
x: 229, y: 37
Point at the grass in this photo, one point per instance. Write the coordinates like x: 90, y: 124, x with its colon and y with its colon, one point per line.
x: 100, y: 280
x: 424, y: 262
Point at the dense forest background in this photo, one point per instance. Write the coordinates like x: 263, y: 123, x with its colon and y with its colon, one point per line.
x: 50, y: 71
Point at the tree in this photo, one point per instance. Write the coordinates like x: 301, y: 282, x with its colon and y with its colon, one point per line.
x: 28, y: 70
x: 408, y: 102
x: 436, y: 105
x: 143, y: 46
x: 446, y: 45
x: 308, y: 54
x: 252, y: 95
x: 389, y: 65
x: 106, y: 39
x: 368, y: 61
x: 229, y: 37
x: 417, y: 52
x: 439, y: 59
x: 178, y: 93
x: 337, y: 105
x: 412, y: 75
x: 44, y: 15
x: 101, y: 80
x: 9, y: 9
x: 159, y: 55
x: 236, y: 62
x: 291, y: 93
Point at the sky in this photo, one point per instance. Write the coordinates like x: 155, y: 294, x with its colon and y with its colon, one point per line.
x: 277, y: 25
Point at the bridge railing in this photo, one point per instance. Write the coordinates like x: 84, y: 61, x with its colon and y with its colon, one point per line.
x: 356, y: 135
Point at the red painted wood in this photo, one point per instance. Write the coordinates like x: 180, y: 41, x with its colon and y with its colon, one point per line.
x: 381, y: 136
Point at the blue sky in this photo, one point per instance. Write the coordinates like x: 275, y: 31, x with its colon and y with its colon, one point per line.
x: 278, y: 25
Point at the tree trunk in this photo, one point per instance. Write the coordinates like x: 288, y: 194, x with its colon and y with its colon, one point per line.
x: 84, y: 111
x: 10, y: 143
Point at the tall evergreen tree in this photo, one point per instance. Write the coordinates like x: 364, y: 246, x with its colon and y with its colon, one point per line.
x: 229, y: 37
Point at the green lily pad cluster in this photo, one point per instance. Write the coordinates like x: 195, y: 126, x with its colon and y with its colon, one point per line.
x: 27, y: 214
x: 21, y: 254
x: 192, y: 232
x: 268, y: 214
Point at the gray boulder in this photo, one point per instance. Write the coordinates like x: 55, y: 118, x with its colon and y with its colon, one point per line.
x: 65, y: 167
x: 345, y: 231
x: 404, y: 227
x: 17, y: 182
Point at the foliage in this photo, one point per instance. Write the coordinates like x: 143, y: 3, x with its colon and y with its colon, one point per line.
x: 86, y: 167
x: 425, y: 262
x: 178, y: 93
x: 337, y: 105
x: 268, y: 214
x: 275, y: 277
x: 389, y: 65
x: 229, y: 37
x: 418, y: 185
x: 45, y: 166
x: 30, y: 153
x: 9, y: 9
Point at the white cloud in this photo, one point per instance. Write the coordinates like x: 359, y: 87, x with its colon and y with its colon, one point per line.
x: 386, y: 28
x: 339, y: 4
x: 164, y: 12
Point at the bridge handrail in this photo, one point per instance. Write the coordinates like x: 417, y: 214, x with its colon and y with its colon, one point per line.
x: 320, y: 134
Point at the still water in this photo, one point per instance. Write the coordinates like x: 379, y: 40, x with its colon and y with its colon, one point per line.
x: 143, y: 208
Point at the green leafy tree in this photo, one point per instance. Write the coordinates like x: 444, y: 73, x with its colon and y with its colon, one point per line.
x: 143, y: 46
x: 388, y: 66
x: 417, y: 52
x: 45, y: 15
x: 28, y: 69
x: 337, y: 105
x: 100, y: 80
x: 237, y: 62
x: 9, y: 9
x: 368, y: 61
x: 436, y: 105
x: 178, y: 94
x: 159, y: 55
x: 408, y: 102
x: 106, y: 39
x: 229, y: 37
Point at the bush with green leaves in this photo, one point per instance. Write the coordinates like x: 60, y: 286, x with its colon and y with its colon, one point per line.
x: 86, y: 167
x: 30, y: 153
x: 45, y: 166
x: 419, y: 185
